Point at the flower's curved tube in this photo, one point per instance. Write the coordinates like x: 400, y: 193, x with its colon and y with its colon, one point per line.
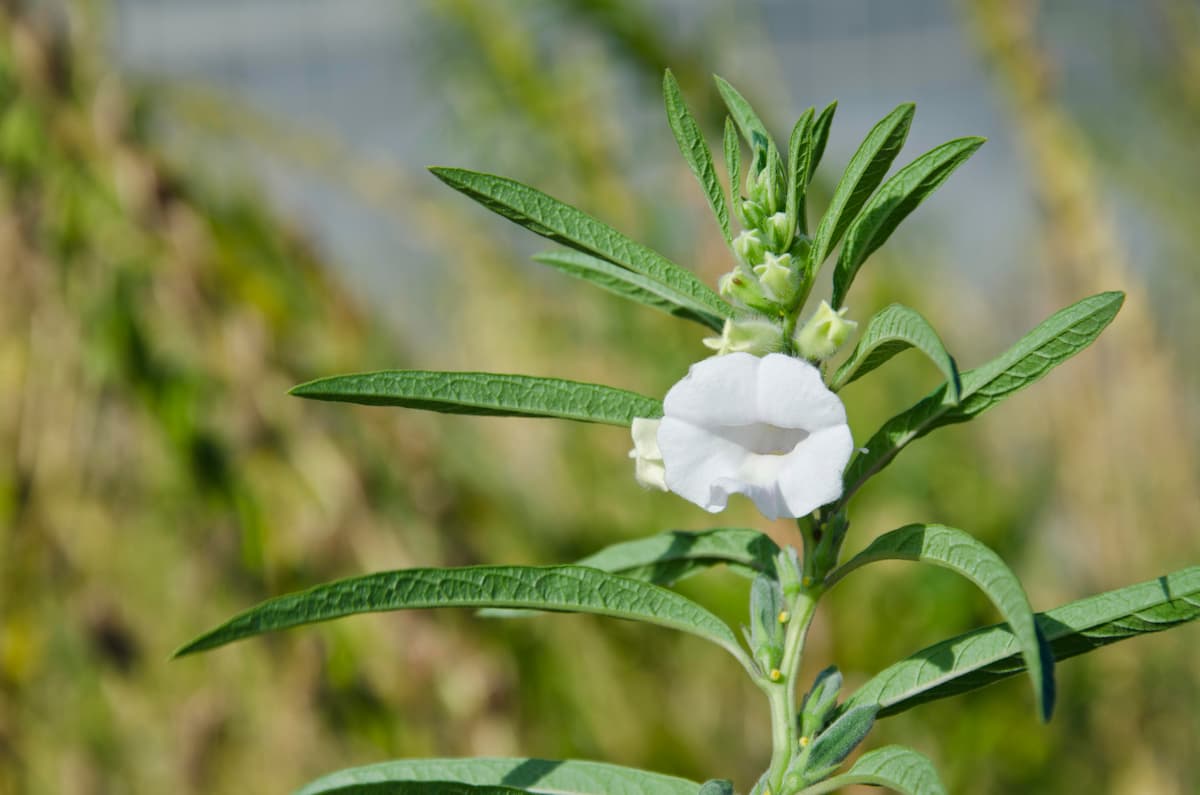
x: 765, y: 427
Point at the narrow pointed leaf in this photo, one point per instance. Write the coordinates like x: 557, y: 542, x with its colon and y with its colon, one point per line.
x: 892, y: 330
x: 491, y: 394
x: 627, y: 284
x: 569, y: 777
x: 695, y: 150
x: 668, y: 557
x: 963, y: 554
x: 898, y: 197
x: 562, y: 223
x: 1058, y: 338
x: 733, y: 160
x: 837, y: 742
x: 426, y: 788
x: 900, y: 769
x: 567, y: 589
x: 752, y: 127
x: 799, y: 156
x: 820, y: 137
x: 991, y: 654
x: 866, y: 170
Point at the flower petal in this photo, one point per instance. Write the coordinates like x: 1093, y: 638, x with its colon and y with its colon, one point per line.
x: 791, y: 394
x: 698, y: 460
x: 717, y: 391
x: 812, y: 474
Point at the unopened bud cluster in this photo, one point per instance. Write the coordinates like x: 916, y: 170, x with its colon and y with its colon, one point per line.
x: 773, y: 277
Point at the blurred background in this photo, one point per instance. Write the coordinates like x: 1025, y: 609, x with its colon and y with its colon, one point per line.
x: 205, y: 203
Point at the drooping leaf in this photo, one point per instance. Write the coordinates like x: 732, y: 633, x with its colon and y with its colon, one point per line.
x: 695, y: 150
x: 898, y: 197
x: 752, y: 127
x: 562, y: 223
x: 569, y: 777
x: 492, y: 394
x: 890, y: 331
x: 627, y: 284
x: 963, y: 554
x: 991, y: 654
x: 1056, y: 339
x: 799, y: 154
x: 862, y: 176
x: 567, y: 589
x: 895, y: 767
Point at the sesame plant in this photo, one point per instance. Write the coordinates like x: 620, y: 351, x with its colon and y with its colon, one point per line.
x: 761, y: 417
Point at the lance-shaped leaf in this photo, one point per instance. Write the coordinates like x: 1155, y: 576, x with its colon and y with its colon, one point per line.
x: 862, y: 176
x: 991, y: 654
x: 800, y: 152
x: 890, y: 331
x: 733, y: 161
x: 427, y: 788
x: 836, y: 743
x: 491, y: 394
x: 666, y: 558
x: 752, y: 127
x: 898, y: 197
x: 961, y: 553
x: 820, y: 137
x: 895, y: 767
x: 565, y: 589
x: 627, y: 284
x: 1058, y: 338
x: 695, y: 150
x: 562, y: 223
x: 569, y: 777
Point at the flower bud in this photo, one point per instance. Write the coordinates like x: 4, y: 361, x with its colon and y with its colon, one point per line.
x: 749, y: 247
x: 778, y: 279
x: 743, y: 286
x: 753, y: 213
x: 824, y: 333
x: 779, y: 232
x: 758, y: 186
x: 757, y: 337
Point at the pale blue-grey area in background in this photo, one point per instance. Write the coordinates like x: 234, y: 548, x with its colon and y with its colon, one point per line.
x: 361, y: 71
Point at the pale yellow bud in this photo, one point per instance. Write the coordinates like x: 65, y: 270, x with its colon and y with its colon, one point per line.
x: 824, y: 333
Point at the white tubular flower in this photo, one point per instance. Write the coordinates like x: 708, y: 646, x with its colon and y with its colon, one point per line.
x: 767, y: 428
x: 649, y: 467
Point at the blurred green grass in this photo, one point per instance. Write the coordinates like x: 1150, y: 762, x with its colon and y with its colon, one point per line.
x: 156, y: 477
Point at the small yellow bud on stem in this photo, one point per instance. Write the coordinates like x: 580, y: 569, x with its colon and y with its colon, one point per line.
x: 784, y: 616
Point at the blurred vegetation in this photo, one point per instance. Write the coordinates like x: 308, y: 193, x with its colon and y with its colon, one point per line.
x: 155, y: 477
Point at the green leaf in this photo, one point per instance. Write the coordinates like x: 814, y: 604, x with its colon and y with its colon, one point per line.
x: 491, y: 394
x: 799, y: 155
x: 895, y: 767
x: 566, y: 589
x: 866, y: 170
x: 959, y: 552
x: 627, y: 284
x: 898, y: 197
x: 752, y: 127
x: 733, y: 160
x: 562, y: 223
x: 695, y: 150
x: 890, y: 331
x: 820, y: 137
x: 991, y: 654
x: 717, y: 786
x: 529, y: 775
x: 836, y: 743
x: 426, y: 788
x: 1058, y: 338
x: 666, y: 558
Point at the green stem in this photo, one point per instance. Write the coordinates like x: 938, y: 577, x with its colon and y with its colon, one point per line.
x: 782, y: 695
